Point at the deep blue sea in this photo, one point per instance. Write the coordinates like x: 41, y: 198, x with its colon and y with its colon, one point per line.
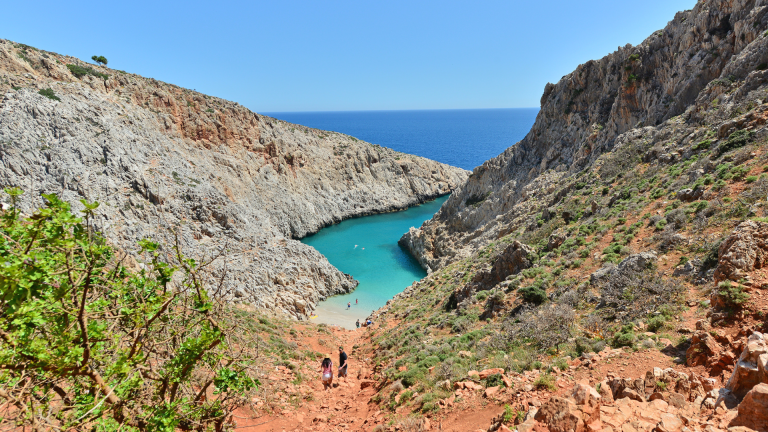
x: 367, y: 247
x: 462, y: 138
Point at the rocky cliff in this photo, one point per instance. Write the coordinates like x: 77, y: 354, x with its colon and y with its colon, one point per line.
x: 631, y: 95
x: 157, y: 156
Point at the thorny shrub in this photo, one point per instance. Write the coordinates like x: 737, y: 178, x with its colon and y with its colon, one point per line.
x: 629, y: 295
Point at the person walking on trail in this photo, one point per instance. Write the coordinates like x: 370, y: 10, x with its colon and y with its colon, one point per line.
x: 358, y: 323
x: 342, y: 363
x: 326, y: 368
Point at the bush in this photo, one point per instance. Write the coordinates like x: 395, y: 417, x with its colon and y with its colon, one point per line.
x: 733, y: 295
x: 630, y: 295
x: 656, y: 323
x: 129, y: 350
x: 545, y: 381
x: 751, y: 179
x: 736, y: 140
x: 493, y: 381
x: 546, y: 327
x: 624, y: 337
x: 703, y: 145
x: 49, y: 94
x: 533, y: 294
x: 80, y: 71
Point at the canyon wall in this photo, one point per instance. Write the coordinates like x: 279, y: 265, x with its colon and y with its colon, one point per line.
x: 158, y: 156
x: 633, y: 92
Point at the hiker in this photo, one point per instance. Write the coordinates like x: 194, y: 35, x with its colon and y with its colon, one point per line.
x: 368, y: 323
x: 358, y: 323
x: 326, y: 367
x: 342, y: 363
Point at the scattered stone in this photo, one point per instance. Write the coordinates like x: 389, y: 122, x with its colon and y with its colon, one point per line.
x: 488, y: 372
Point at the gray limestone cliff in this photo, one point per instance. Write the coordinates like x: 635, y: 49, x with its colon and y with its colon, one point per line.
x: 658, y: 89
x: 158, y: 156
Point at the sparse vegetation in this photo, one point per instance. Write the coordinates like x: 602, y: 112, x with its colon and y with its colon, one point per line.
x: 81, y: 71
x: 48, y: 92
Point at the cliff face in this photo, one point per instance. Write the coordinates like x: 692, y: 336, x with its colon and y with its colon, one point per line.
x: 158, y: 156
x: 602, y: 104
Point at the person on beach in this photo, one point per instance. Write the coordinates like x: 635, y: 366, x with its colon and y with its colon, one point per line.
x: 349, y: 305
x: 355, y: 301
x: 326, y: 368
x: 358, y: 323
x: 342, y: 363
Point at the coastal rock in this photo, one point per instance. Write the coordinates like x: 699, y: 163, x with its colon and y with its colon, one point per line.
x: 232, y: 182
x: 629, y: 102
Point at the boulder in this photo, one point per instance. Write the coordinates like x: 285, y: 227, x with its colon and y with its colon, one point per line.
x: 632, y: 264
x: 743, y: 251
x: 584, y: 394
x: 753, y: 410
x: 688, y: 195
x: 752, y: 366
x: 637, y: 263
x: 555, y: 240
x: 488, y: 372
x: 560, y: 415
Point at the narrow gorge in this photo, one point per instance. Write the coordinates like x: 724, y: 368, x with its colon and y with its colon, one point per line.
x: 157, y: 156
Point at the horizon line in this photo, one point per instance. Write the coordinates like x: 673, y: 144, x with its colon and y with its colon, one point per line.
x: 396, y: 110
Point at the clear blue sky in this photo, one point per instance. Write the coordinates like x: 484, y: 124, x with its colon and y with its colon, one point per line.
x: 292, y: 55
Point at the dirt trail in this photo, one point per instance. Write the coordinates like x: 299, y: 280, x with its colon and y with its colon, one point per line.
x: 345, y: 407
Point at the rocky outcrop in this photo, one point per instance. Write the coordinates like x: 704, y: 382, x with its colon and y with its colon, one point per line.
x: 158, y: 156
x: 745, y: 250
x: 753, y: 410
x: 628, y: 101
x: 752, y: 366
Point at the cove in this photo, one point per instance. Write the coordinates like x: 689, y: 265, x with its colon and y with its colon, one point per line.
x: 366, y: 247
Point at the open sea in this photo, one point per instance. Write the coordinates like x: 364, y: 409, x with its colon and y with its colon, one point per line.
x: 367, y: 247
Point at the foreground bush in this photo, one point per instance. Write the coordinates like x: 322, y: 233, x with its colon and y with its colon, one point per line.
x: 87, y: 344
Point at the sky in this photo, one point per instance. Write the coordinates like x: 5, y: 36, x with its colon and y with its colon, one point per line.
x: 340, y: 55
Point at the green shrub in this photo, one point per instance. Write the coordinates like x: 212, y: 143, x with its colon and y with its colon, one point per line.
x: 736, y: 140
x: 661, y: 224
x: 703, y: 145
x: 493, y: 381
x: 656, y: 323
x: 80, y: 71
x: 733, y: 295
x: 624, y: 337
x: 751, y: 179
x: 73, y: 315
x: 48, y: 92
x: 533, y: 294
x: 545, y: 381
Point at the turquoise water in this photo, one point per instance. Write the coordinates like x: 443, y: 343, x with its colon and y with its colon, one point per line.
x: 367, y: 249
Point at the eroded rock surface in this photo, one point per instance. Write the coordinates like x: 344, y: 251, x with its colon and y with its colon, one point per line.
x: 157, y: 156
x: 633, y: 100
x: 746, y: 249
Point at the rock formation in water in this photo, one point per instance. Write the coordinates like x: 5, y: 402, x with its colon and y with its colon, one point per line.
x: 714, y: 52
x: 157, y: 156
